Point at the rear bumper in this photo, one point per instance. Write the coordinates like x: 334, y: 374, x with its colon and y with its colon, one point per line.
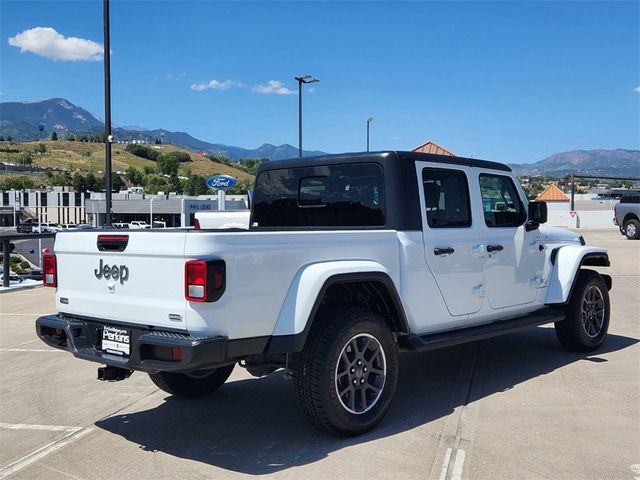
x: 150, y: 350
x: 615, y: 221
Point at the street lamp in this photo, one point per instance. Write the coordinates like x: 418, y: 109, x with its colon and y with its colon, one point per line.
x: 369, y: 120
x: 304, y: 79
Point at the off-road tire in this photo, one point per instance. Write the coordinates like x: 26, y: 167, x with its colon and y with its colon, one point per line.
x: 584, y: 329
x: 632, y: 229
x: 191, y: 385
x: 317, y: 377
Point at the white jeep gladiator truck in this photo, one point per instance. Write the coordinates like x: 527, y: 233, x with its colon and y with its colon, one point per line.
x: 348, y: 260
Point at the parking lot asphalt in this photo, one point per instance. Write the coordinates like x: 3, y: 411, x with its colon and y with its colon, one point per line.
x: 517, y: 406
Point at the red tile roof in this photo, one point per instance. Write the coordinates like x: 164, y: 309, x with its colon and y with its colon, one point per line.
x: 432, y: 147
x: 552, y: 194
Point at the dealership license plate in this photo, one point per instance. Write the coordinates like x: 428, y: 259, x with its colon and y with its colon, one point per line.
x: 116, y: 341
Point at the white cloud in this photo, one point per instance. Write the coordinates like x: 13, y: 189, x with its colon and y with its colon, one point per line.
x: 273, y: 86
x: 637, y: 89
x: 215, y: 85
x: 176, y: 76
x: 48, y: 43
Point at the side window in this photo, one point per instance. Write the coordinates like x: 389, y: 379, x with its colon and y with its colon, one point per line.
x: 446, y: 194
x: 500, y: 201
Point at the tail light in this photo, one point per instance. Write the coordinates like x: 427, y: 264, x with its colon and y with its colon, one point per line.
x: 204, y: 280
x: 49, y: 271
x: 196, y: 224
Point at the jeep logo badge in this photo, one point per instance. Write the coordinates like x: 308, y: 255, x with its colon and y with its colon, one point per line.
x: 114, y: 272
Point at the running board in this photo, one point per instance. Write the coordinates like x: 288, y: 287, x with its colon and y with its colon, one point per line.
x: 432, y: 341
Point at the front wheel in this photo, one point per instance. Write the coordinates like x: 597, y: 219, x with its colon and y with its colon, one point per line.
x: 192, y: 384
x: 587, y: 314
x: 632, y: 229
x: 346, y: 375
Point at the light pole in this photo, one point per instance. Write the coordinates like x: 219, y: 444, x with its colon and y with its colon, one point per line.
x: 107, y: 110
x: 369, y: 120
x: 304, y: 79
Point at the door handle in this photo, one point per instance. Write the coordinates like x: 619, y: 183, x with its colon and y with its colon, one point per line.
x: 494, y: 248
x: 443, y: 251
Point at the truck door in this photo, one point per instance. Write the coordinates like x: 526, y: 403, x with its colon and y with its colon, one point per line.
x: 514, y: 258
x: 450, y: 236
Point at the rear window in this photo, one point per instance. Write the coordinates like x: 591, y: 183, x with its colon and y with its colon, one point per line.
x: 346, y: 195
x: 630, y: 199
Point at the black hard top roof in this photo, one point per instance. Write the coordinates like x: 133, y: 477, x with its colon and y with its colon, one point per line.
x: 382, y: 157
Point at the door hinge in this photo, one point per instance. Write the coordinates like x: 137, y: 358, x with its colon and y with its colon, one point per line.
x: 477, y: 251
x: 538, y: 281
x: 536, y: 247
x: 479, y: 290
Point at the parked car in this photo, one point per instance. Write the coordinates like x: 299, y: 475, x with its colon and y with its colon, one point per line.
x: 626, y: 214
x: 14, y: 278
x: 138, y: 225
x: 68, y: 226
x: 33, y: 274
x: 348, y: 260
x: 45, y: 227
x: 83, y: 226
x: 25, y: 227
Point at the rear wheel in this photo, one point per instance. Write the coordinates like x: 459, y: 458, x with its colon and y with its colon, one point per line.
x: 347, y: 373
x: 192, y: 384
x: 632, y: 229
x: 587, y: 315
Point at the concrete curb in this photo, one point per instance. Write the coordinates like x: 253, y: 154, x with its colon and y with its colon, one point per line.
x: 19, y: 289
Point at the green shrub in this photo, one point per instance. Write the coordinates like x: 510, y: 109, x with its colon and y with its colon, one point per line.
x: 25, y: 265
x: 180, y: 157
x: 142, y: 151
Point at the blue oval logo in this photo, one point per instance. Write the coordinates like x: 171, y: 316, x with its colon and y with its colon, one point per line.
x: 221, y: 182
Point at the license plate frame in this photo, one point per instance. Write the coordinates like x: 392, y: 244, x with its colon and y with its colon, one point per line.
x: 116, y: 341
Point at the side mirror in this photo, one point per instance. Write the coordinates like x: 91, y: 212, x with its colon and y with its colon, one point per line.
x: 537, y: 214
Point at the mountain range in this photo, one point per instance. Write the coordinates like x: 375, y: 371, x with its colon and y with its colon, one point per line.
x: 22, y: 121
x: 619, y: 162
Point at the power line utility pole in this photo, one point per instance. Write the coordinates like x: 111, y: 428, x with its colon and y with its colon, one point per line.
x: 108, y: 184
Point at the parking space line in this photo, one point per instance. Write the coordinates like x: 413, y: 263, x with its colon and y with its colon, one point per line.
x: 458, y: 465
x: 43, y: 452
x: 445, y: 464
x: 50, y: 428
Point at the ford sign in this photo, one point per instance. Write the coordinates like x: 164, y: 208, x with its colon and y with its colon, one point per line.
x: 221, y: 182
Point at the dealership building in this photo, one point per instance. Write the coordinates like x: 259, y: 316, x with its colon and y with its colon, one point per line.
x: 63, y: 205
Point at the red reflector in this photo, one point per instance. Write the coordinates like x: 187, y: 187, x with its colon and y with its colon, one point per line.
x: 218, y: 278
x: 196, y: 224
x: 49, y: 271
x: 176, y: 354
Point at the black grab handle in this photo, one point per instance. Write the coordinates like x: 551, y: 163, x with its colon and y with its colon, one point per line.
x: 494, y: 248
x: 443, y: 251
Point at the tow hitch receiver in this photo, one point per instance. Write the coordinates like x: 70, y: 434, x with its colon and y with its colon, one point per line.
x: 113, y: 374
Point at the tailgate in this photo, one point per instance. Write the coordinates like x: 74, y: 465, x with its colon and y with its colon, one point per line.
x: 133, y: 277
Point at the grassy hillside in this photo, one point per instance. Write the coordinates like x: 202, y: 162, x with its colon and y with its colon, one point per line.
x: 90, y: 157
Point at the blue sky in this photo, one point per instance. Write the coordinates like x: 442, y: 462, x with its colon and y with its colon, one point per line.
x: 507, y: 81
